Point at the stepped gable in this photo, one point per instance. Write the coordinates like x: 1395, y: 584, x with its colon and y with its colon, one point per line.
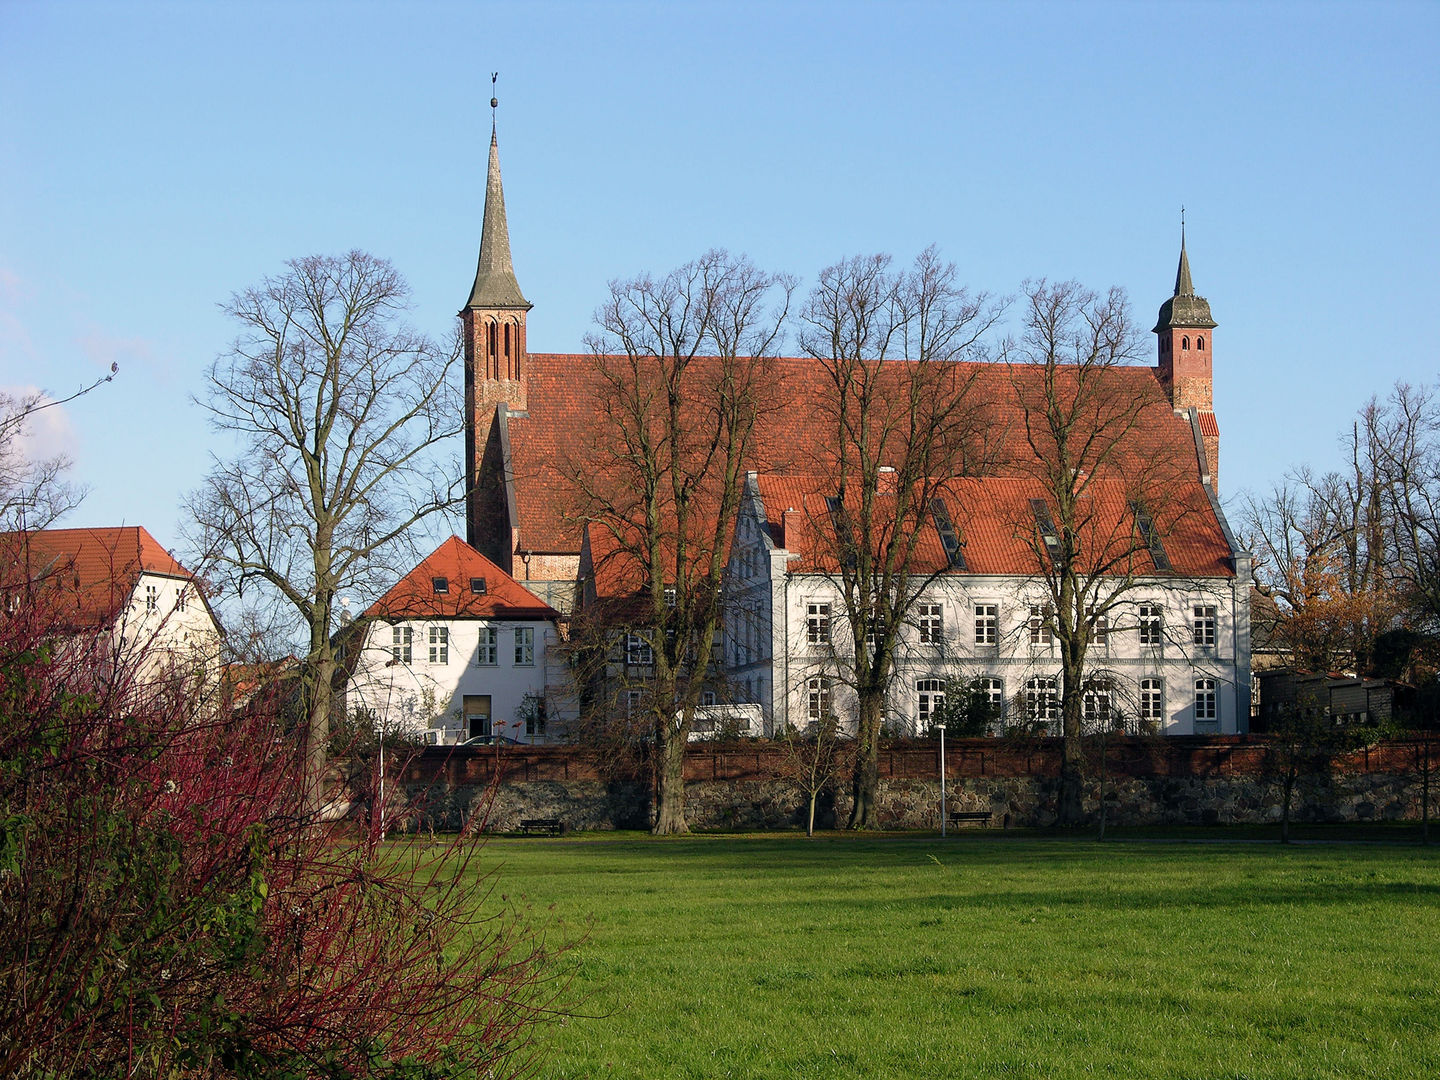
x: 996, y: 527
x: 461, y: 567
x: 566, y: 412
x: 91, y: 574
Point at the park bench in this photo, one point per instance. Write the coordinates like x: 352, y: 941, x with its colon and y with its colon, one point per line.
x: 981, y: 816
x: 553, y: 826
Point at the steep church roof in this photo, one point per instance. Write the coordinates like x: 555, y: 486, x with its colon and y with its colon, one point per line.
x: 566, y: 417
x: 1184, y: 309
x: 495, y: 285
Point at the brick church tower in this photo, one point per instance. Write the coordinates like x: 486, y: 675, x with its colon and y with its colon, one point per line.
x: 493, y: 327
x: 1185, y: 343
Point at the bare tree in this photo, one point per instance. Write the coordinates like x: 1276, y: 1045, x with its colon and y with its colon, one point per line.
x: 814, y: 760
x: 904, y: 417
x: 33, y: 491
x: 336, y: 408
x: 660, y: 481
x: 1096, y: 530
x: 1325, y: 551
x: 1405, y: 431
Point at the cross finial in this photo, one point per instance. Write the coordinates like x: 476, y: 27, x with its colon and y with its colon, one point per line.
x: 494, y: 101
x: 1182, y: 223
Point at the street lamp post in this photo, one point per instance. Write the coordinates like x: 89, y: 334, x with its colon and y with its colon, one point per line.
x: 943, y: 815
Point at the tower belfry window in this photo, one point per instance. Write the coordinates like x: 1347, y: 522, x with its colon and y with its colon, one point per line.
x: 1200, y: 342
x: 1185, y: 342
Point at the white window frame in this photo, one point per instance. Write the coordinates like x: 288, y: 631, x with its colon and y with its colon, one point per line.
x: 487, y: 652
x: 152, y: 597
x: 817, y: 622
x: 1150, y: 621
x: 987, y: 625
x: 929, y: 696
x: 439, y: 645
x: 1207, y: 704
x: 1205, y: 624
x: 1097, y: 703
x: 638, y: 651
x: 1042, y: 698
x: 820, y: 705
x: 993, y: 687
x: 182, y: 597
x: 524, y: 646
x: 1039, y: 625
x: 1152, y: 701
x: 931, y: 619
x: 402, y: 643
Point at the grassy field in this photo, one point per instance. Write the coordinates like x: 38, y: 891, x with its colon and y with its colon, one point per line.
x: 989, y: 957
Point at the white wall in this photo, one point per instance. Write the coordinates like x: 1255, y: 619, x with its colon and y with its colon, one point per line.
x: 773, y: 602
x: 423, y: 696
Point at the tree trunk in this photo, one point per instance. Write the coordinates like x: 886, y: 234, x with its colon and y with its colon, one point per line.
x: 1070, y: 810
x: 670, y: 782
x: 810, y: 825
x: 1290, y: 773
x: 864, y: 811
x: 319, y: 701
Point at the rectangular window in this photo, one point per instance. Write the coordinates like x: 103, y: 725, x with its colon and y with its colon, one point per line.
x: 930, y: 699
x: 987, y: 624
x: 1152, y: 703
x: 932, y: 624
x: 818, y: 689
x: 993, y: 690
x: 1151, y: 625
x: 1099, y: 627
x: 875, y: 626
x: 439, y: 645
x: 817, y: 623
x: 1204, y: 625
x: 1042, y: 699
x: 634, y: 702
x: 400, y: 641
x: 1096, y: 704
x: 524, y: 646
x: 1206, y: 716
x: 638, y: 651
x: 477, y: 586
x: 707, y: 697
x: 152, y: 597
x: 535, y: 717
x: 487, y: 654
x: 1040, y: 624
x: 440, y: 585
x: 182, y: 598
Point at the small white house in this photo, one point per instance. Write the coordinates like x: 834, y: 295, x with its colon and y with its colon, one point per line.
x: 118, y: 598
x: 457, y: 649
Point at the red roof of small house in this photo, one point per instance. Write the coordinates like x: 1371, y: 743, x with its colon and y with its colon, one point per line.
x: 996, y: 526
x: 566, y: 425
x: 455, y: 581
x: 90, y: 574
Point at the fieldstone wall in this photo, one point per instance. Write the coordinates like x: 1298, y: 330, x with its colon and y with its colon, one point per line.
x: 1174, y: 782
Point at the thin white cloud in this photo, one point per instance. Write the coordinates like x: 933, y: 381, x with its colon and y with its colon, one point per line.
x: 48, y: 433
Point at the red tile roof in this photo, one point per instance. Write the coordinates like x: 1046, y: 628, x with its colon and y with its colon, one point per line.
x: 92, y: 572
x: 414, y: 595
x: 566, y: 423
x: 996, y: 525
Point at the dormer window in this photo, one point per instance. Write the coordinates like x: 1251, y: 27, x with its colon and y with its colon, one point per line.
x: 477, y: 586
x: 440, y: 585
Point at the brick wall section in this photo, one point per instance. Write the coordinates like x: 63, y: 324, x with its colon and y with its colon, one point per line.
x: 1178, y: 781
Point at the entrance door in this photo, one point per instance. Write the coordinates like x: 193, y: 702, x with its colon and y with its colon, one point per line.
x: 477, y: 714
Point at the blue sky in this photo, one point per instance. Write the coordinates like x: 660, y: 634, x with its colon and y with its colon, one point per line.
x: 155, y: 158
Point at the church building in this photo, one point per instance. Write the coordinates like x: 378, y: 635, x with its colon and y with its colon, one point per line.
x: 524, y: 412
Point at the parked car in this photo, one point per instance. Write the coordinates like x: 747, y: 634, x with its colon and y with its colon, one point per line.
x: 490, y: 740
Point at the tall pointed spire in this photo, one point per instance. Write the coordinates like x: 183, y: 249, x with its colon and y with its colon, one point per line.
x: 1183, y: 285
x: 495, y: 285
x: 1184, y: 308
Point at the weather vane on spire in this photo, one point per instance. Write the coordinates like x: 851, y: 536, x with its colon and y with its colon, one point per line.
x: 1182, y: 221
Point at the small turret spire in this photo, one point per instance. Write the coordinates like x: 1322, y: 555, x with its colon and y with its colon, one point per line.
x: 495, y: 285
x: 1184, y: 308
x: 1183, y: 285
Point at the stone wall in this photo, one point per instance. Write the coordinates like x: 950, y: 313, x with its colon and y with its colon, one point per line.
x: 738, y: 786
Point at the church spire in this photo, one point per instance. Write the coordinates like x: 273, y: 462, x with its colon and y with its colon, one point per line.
x: 1184, y: 309
x: 495, y: 285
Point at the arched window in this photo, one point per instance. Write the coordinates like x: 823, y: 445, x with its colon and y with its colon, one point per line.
x: 1185, y: 342
x: 1200, y: 343
x: 507, y: 339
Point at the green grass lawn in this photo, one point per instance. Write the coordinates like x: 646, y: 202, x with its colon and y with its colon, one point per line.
x: 991, y: 957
